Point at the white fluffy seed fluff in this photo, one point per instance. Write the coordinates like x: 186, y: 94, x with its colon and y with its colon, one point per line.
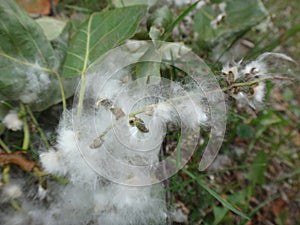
x: 116, y: 180
x: 11, y: 191
x: 12, y: 121
x: 264, y: 67
x: 52, y: 162
x: 37, y: 82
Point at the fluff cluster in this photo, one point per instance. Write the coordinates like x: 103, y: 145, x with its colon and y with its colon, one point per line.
x: 108, y: 149
x: 254, y: 76
x: 36, y: 82
x: 88, y: 198
x: 12, y: 121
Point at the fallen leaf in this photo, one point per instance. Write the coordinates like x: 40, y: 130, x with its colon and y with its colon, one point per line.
x: 279, y: 206
x: 17, y: 158
x: 36, y: 7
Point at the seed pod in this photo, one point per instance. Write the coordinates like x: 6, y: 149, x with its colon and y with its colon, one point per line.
x: 118, y: 112
x: 139, y: 124
x: 107, y: 103
x: 97, y: 142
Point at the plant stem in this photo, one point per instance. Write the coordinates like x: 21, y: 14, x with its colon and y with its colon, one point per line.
x: 6, y: 174
x: 26, y: 137
x: 43, y: 136
x: 4, y: 146
x: 84, y: 69
x: 7, y: 104
x: 81, y: 95
x: 61, y: 86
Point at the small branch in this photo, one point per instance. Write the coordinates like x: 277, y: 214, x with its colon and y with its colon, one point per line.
x: 6, y: 174
x: 256, y: 81
x: 61, y: 86
x: 4, y: 146
x: 150, y: 107
x: 26, y: 138
x: 7, y: 104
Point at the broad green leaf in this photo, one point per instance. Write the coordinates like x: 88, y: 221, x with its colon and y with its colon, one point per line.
x: 98, y: 34
x: 239, y: 15
x: 22, y: 39
x: 27, y: 60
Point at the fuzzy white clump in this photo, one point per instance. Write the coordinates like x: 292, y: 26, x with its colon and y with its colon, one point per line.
x: 163, y: 111
x: 52, y: 162
x: 259, y: 92
x: 259, y: 70
x: 218, y: 20
x: 90, y: 198
x: 12, y: 121
x: 11, y: 191
x: 109, y: 149
x: 42, y: 193
x: 178, y: 215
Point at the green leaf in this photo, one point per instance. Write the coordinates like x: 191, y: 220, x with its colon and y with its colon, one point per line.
x: 98, y: 34
x: 27, y: 60
x: 22, y: 38
x: 219, y: 213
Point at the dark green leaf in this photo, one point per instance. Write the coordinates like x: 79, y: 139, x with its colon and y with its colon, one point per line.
x: 27, y: 60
